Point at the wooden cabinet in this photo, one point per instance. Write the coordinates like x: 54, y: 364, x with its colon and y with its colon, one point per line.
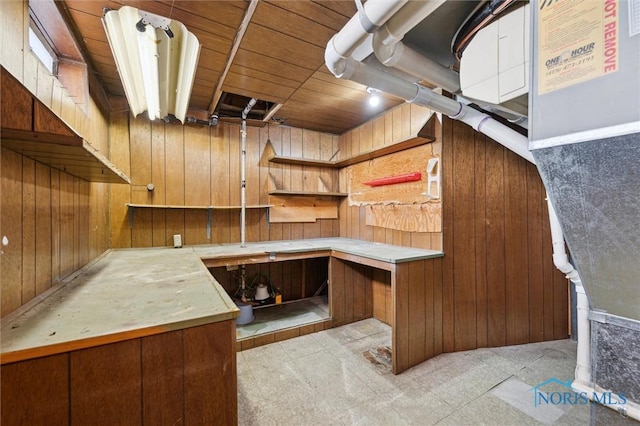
x: 407, y: 296
x: 180, y: 377
x: 42, y: 136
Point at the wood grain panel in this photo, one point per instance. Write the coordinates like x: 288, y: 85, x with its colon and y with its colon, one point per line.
x: 28, y: 229
x: 106, y: 384
x: 337, y: 291
x: 349, y: 291
x: 210, y: 360
x: 55, y: 227
x: 175, y: 167
x: 513, y: 279
x: 535, y: 204
x: 67, y: 227
x: 162, y: 379
x: 437, y: 307
x: 480, y: 196
x: 44, y: 229
x: 197, y: 171
x: 448, y: 233
x: 140, y: 141
x: 119, y: 195
x: 17, y: 104
x: 464, y: 239
x: 283, y: 47
x: 45, y: 121
x: 495, y: 234
x: 36, y: 392
x: 195, y: 232
x: 417, y: 304
x: 220, y: 166
x: 379, y: 284
x: 517, y: 264
x: 400, y: 283
x: 12, y: 230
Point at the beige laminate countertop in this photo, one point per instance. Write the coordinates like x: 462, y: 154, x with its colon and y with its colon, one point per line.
x: 131, y: 293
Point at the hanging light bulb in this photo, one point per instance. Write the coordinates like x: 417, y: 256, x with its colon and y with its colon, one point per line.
x: 374, y: 97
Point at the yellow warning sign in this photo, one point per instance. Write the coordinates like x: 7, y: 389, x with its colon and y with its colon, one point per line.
x: 578, y: 41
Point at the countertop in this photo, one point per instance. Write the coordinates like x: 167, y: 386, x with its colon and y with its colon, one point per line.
x: 131, y: 293
x: 375, y: 251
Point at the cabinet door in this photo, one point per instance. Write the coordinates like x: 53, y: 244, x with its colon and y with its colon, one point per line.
x: 36, y: 391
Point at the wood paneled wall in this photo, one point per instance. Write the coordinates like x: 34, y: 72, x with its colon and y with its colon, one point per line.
x: 181, y: 377
x: 393, y: 126
x: 352, y: 291
x: 295, y: 279
x: 417, y: 314
x: 54, y: 222
x: 499, y: 283
x: 200, y: 165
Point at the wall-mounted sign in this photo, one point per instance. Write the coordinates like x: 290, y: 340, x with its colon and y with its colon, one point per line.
x: 578, y: 41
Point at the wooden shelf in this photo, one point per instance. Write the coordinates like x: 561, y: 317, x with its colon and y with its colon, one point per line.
x: 169, y: 206
x: 308, y: 193
x: 424, y: 136
x: 44, y: 137
x: 132, y: 207
x: 303, y: 161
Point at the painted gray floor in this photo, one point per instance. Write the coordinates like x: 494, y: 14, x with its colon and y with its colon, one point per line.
x: 287, y: 315
x: 324, y: 379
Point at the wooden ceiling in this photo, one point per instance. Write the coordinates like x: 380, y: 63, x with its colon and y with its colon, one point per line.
x: 279, y: 59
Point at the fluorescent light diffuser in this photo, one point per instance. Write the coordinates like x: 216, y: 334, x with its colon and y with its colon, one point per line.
x: 156, y: 58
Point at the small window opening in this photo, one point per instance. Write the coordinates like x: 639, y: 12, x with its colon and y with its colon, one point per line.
x: 42, y: 51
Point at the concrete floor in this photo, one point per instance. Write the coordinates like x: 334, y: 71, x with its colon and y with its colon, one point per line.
x: 325, y: 379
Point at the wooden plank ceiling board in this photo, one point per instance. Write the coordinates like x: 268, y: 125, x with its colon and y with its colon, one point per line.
x: 280, y: 58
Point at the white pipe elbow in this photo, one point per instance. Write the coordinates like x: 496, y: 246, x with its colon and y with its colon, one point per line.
x: 333, y: 60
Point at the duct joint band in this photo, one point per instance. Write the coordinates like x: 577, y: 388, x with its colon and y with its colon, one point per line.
x: 366, y: 23
x: 457, y: 115
x: 482, y: 122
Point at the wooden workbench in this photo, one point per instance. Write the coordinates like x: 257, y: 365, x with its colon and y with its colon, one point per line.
x: 401, y: 286
x: 120, y: 336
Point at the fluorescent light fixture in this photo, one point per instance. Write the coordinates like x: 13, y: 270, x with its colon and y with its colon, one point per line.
x: 156, y: 58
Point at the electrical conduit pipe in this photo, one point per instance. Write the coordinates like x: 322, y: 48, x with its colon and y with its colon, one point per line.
x: 243, y: 172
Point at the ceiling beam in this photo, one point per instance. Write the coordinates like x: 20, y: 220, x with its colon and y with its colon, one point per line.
x: 242, y: 29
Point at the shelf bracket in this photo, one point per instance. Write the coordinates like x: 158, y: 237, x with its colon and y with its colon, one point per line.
x: 209, y: 215
x: 267, y: 216
x: 131, y: 210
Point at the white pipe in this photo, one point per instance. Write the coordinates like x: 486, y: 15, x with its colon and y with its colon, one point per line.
x: 621, y: 405
x: 561, y: 261
x: 406, y: 19
x: 404, y: 58
x: 583, y: 356
x: 506, y: 136
x: 243, y: 172
x: 351, y: 36
x: 420, y: 95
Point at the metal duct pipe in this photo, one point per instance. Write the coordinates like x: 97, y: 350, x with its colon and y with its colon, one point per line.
x: 243, y: 172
